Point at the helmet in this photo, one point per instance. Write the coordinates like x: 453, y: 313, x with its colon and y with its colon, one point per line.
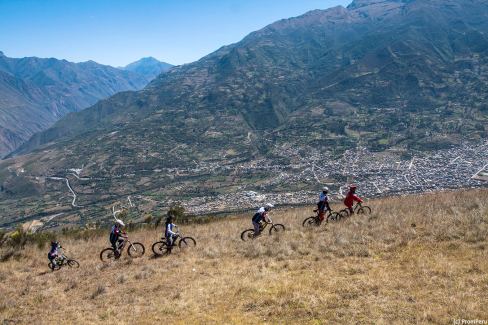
x: 268, y: 207
x: 325, y: 189
x: 54, y: 243
x: 120, y: 222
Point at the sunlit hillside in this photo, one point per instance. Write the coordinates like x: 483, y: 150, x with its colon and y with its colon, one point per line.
x: 416, y: 259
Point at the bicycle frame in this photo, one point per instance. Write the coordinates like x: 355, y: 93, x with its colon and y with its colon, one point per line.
x: 121, y: 247
x: 61, y: 259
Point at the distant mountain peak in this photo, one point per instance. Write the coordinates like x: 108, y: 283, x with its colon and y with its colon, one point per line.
x: 148, y: 59
x: 148, y: 66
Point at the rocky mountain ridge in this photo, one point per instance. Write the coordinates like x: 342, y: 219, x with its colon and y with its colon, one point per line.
x: 37, y: 92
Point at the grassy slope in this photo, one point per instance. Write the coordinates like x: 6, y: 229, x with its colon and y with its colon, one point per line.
x: 372, y: 270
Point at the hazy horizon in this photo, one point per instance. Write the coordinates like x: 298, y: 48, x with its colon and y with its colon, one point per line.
x: 117, y: 33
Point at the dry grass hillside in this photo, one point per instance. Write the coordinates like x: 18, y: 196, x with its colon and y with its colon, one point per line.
x: 417, y: 259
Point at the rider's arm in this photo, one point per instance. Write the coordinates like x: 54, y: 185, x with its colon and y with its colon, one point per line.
x: 357, y: 199
x: 169, y: 231
x: 267, y: 218
x: 327, y: 205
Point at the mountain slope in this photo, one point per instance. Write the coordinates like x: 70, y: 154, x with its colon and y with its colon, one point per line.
x: 19, y: 102
x: 375, y: 54
x: 149, y: 67
x: 45, y: 90
x: 410, y: 76
x: 398, y: 265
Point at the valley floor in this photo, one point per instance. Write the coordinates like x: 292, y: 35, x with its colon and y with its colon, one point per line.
x: 416, y: 259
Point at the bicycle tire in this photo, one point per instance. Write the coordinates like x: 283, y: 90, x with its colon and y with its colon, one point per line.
x: 160, y: 248
x: 73, y: 263
x: 364, y: 210
x: 136, y: 250
x: 187, y: 242
x: 247, y: 235
x: 344, y: 213
x: 334, y: 216
x: 310, y: 222
x: 108, y: 254
x: 277, y: 227
x: 52, y: 267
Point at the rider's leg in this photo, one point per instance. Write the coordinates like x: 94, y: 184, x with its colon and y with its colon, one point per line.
x: 52, y: 259
x: 256, y: 228
x: 113, y: 242
x: 169, y: 240
x: 321, y: 215
x: 120, y: 242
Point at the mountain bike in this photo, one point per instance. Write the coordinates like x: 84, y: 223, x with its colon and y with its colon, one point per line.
x: 275, y: 228
x: 63, y: 260
x: 134, y: 250
x: 314, y: 221
x: 162, y: 248
x: 359, y: 208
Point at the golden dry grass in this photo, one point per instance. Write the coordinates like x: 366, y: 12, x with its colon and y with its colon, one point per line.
x: 374, y: 270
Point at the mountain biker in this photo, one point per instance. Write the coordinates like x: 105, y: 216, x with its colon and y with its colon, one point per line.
x: 323, y: 203
x: 53, y: 253
x: 169, y: 232
x: 351, y: 197
x: 116, y: 234
x: 260, y: 215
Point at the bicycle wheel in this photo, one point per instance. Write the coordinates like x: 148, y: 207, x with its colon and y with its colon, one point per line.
x: 364, y: 210
x: 311, y: 222
x: 278, y: 227
x: 160, y: 248
x: 344, y: 213
x: 53, y: 267
x: 186, y: 242
x: 136, y: 250
x: 247, y: 234
x: 108, y: 254
x: 334, y: 216
x: 73, y: 263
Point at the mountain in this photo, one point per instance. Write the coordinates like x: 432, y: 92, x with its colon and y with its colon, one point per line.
x: 35, y: 93
x: 149, y: 67
x: 400, y: 77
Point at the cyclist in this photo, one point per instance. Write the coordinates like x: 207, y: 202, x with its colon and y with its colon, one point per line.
x: 117, y: 235
x: 260, y: 215
x: 169, y: 231
x: 323, y: 203
x: 53, y: 253
x: 351, y: 197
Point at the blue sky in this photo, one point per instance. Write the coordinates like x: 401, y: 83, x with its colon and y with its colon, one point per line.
x: 118, y: 32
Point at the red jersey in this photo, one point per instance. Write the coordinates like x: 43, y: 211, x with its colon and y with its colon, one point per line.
x: 350, y: 199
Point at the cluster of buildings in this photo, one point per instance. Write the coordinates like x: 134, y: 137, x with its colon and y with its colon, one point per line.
x: 375, y: 173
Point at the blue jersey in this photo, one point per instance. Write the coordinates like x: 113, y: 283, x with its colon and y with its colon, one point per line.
x: 323, y: 197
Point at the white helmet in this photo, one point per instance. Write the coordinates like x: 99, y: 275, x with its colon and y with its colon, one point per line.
x: 269, y: 205
x: 325, y: 189
x: 120, y: 222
